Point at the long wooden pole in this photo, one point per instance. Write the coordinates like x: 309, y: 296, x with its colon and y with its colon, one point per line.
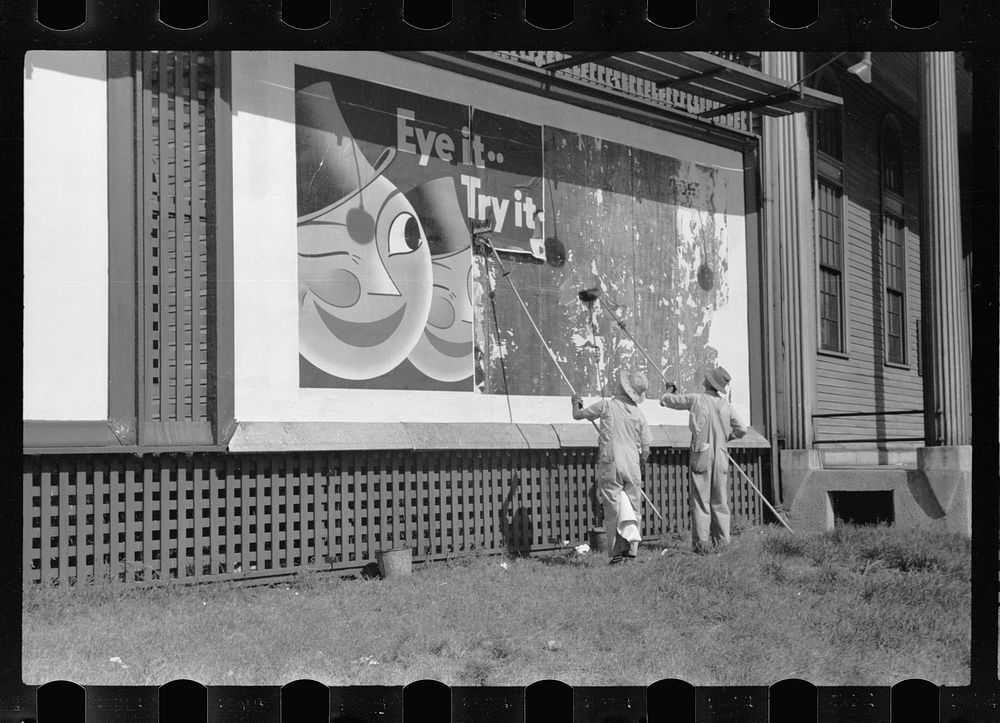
x: 762, y: 497
x: 569, y: 384
x: 621, y: 324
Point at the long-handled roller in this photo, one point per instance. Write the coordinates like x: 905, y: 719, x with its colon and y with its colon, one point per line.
x: 759, y: 493
x: 591, y: 295
x: 541, y: 337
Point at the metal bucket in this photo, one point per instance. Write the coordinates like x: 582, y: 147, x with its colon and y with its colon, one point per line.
x: 395, y: 562
x: 598, y: 540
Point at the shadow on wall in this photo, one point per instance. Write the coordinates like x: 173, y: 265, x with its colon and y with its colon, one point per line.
x: 516, y: 525
x: 80, y: 63
x: 924, y: 494
x: 519, y: 532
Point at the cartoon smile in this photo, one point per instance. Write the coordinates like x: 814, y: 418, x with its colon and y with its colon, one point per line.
x: 454, y: 349
x: 364, y: 264
x: 362, y: 334
x: 446, y: 350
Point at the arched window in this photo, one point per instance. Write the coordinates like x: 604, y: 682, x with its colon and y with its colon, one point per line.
x: 892, y: 158
x: 829, y: 123
x: 893, y: 240
x: 828, y: 164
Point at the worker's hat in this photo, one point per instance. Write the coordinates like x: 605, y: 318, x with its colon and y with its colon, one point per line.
x: 718, y: 378
x: 634, y: 383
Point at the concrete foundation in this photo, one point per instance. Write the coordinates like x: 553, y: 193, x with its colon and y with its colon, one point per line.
x: 853, y: 457
x: 935, y: 494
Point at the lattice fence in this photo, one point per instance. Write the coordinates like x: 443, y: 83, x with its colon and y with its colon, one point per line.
x: 216, y: 516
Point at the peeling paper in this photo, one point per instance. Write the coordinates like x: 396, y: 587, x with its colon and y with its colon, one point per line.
x: 661, y: 300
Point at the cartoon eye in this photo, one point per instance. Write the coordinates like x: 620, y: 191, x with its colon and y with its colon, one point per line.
x: 404, y: 234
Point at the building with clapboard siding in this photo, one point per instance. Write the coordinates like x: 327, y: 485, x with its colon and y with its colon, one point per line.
x: 867, y: 205
x: 877, y: 387
x: 289, y: 353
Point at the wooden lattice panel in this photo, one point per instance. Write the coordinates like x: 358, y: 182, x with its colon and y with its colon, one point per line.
x: 174, y: 168
x: 217, y: 516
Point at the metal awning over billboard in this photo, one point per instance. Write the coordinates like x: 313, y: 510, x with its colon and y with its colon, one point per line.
x: 736, y: 87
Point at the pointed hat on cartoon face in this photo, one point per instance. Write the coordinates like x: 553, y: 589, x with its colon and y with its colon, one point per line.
x: 436, y: 204
x: 330, y: 166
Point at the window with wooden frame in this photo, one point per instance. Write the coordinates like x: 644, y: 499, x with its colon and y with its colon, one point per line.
x: 893, y: 241
x: 828, y: 194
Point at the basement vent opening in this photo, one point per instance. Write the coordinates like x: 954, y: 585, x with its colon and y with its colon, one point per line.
x: 862, y: 508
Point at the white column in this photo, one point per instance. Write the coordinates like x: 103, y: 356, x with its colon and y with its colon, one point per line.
x: 789, y: 235
x: 946, y: 398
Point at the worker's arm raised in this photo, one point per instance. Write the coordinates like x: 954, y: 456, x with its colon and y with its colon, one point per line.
x: 591, y: 412
x: 676, y: 401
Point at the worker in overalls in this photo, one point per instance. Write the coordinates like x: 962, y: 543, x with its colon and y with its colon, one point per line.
x: 713, y: 423
x: 622, y: 448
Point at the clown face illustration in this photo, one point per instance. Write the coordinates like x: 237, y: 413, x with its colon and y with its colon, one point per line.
x: 364, y: 264
x: 445, y: 351
x: 364, y: 283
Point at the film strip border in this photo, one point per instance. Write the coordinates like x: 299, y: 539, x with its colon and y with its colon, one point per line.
x: 452, y: 24
x: 437, y: 14
x: 550, y: 701
x: 632, y: 23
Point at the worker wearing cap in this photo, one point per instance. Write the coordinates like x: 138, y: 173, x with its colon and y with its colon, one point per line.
x: 622, y: 448
x: 713, y: 423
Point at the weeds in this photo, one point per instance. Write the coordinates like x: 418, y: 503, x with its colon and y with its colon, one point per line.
x: 775, y: 569
x: 399, y: 650
x: 828, y: 575
x: 854, y: 606
x: 442, y: 649
x: 312, y: 579
x: 784, y: 545
x: 476, y: 672
x: 501, y: 650
x: 872, y: 587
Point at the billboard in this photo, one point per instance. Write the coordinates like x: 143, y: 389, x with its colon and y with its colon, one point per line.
x: 389, y: 184
x: 358, y: 178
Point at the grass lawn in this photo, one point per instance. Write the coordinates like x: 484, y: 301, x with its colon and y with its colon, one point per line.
x: 857, y: 606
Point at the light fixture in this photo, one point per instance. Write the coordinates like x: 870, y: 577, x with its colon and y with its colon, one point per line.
x: 863, y: 69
